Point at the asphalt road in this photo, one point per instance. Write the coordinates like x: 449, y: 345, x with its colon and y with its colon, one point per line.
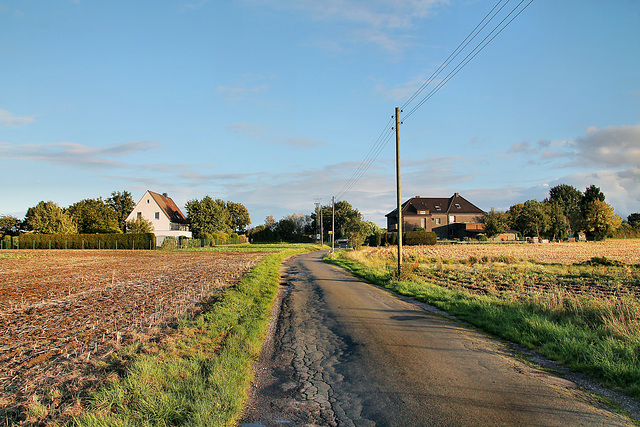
x: 345, y: 353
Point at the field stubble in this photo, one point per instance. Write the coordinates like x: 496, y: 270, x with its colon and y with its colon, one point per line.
x: 64, y: 311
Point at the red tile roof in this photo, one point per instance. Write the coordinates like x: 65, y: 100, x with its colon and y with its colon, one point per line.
x: 169, y: 208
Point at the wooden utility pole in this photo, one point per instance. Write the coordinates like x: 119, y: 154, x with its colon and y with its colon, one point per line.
x: 321, y: 230
x: 333, y: 223
x: 398, y: 192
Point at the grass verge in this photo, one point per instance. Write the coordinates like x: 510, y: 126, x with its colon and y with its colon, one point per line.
x: 200, y: 378
x: 573, y: 330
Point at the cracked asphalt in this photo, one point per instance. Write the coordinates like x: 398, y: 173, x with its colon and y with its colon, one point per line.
x: 345, y: 353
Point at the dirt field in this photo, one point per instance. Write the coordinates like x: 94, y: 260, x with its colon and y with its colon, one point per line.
x: 627, y: 251
x: 59, y: 310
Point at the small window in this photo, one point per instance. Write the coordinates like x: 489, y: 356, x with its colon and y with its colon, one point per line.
x: 422, y: 212
x: 438, y: 220
x: 147, y: 200
x: 452, y: 218
x: 458, y: 206
x: 157, y: 215
x: 438, y: 208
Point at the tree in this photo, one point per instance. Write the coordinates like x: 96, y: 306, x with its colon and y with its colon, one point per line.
x: 355, y: 230
x: 139, y: 226
x: 294, y: 228
x: 122, y: 204
x: 591, y: 194
x: 343, y: 211
x: 495, y: 222
x: 49, y: 218
x: 269, y: 222
x: 94, y: 216
x: 530, y: 218
x: 569, y: 199
x: 634, y: 219
x: 208, y: 217
x: 559, y: 224
x: 9, y: 225
x: 239, y: 217
x: 599, y: 219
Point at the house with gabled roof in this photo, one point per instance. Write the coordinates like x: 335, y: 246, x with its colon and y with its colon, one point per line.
x: 164, y: 214
x: 450, y: 218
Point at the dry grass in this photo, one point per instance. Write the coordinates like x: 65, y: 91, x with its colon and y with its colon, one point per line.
x: 627, y: 251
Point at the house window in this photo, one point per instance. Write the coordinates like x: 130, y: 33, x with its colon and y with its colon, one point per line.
x: 438, y: 208
x: 423, y: 222
x: 458, y: 206
x: 438, y: 220
x: 147, y: 200
x: 452, y: 218
x: 422, y: 212
x: 157, y: 215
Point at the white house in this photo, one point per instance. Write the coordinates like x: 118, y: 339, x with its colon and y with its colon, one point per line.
x: 166, y: 217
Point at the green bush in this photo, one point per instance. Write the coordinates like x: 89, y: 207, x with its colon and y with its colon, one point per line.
x: 482, y: 238
x: 85, y: 241
x: 421, y: 237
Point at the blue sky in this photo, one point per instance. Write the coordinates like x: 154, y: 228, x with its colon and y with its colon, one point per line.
x: 275, y: 103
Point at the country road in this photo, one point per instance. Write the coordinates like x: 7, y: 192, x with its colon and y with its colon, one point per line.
x: 345, y: 353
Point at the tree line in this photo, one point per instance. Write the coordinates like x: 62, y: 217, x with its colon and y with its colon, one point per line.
x: 208, y: 218
x: 567, y: 211
x: 299, y: 227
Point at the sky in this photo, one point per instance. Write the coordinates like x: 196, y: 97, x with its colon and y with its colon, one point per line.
x: 275, y: 104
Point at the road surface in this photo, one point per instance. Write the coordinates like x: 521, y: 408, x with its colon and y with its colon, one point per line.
x: 346, y: 353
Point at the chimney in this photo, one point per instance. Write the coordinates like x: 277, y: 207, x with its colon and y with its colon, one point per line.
x: 456, y: 195
x: 166, y: 195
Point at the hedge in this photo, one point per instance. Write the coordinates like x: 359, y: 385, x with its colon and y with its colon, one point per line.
x: 84, y: 241
x: 420, y: 238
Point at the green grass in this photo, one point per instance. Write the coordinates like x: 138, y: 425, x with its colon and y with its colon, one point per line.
x: 7, y: 256
x: 202, y: 378
x: 598, y: 336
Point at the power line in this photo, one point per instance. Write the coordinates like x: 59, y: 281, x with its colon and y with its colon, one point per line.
x: 456, y: 52
x: 371, y: 156
x: 386, y: 134
x: 479, y: 48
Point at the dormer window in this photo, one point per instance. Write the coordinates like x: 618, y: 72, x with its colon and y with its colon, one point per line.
x: 438, y: 208
x: 458, y: 206
x: 422, y: 212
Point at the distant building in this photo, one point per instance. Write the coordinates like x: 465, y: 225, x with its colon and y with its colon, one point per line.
x: 450, y: 218
x: 166, y: 217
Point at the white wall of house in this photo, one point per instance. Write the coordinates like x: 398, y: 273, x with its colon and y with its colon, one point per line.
x: 149, y: 209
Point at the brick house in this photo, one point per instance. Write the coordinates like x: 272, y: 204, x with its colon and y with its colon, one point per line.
x: 164, y: 214
x: 450, y: 218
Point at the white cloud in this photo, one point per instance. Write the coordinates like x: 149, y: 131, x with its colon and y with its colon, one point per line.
x: 246, y: 87
x: 71, y: 153
x: 378, y: 22
x: 613, y: 146
x: 9, y: 120
x: 264, y: 133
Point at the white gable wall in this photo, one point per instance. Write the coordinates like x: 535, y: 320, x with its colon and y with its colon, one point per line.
x: 150, y: 210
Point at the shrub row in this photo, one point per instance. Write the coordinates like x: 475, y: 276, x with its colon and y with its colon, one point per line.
x: 82, y: 241
x: 410, y: 238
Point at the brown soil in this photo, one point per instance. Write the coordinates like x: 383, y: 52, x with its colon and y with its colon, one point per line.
x: 61, y: 312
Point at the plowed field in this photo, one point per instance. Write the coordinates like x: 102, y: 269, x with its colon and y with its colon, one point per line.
x: 59, y: 309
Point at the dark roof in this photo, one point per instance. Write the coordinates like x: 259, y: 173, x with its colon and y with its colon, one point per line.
x: 170, y: 209
x: 435, y: 205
